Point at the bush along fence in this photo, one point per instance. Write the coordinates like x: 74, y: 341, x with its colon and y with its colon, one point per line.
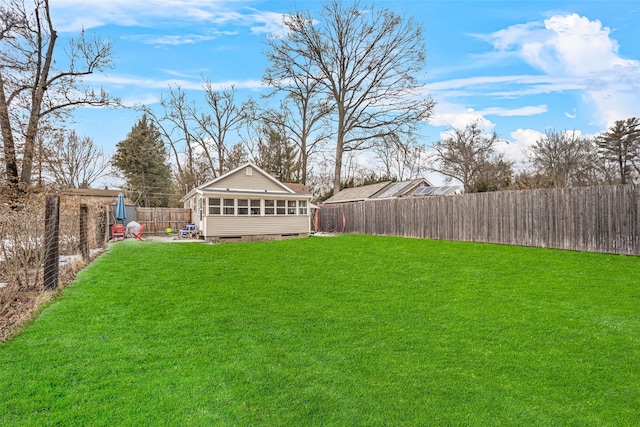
x: 43, y: 243
x: 595, y: 219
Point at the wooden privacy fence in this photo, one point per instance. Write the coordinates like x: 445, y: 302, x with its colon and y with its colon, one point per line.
x: 157, y: 220
x: 596, y: 219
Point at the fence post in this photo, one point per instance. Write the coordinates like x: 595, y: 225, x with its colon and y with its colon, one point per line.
x: 84, y: 240
x: 51, y: 241
x: 107, y: 229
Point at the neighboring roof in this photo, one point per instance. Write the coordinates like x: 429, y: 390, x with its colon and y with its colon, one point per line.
x: 356, y: 194
x: 380, y: 190
x: 107, y: 195
x: 399, y: 189
x: 297, y: 188
x: 89, y: 192
x: 445, y: 190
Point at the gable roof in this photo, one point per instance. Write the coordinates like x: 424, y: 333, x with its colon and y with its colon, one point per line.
x: 380, y: 190
x: 297, y: 188
x: 356, y: 194
x: 399, y: 189
x: 241, y: 167
x: 236, y: 176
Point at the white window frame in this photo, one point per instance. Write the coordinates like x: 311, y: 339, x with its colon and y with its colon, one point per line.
x: 212, y: 207
x: 269, y: 207
x: 242, y: 207
x: 253, y: 206
x: 292, y: 207
x: 226, y: 206
x: 302, y: 207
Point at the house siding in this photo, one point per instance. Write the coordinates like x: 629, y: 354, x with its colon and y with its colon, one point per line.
x: 241, y: 181
x: 220, y: 220
x: 232, y: 226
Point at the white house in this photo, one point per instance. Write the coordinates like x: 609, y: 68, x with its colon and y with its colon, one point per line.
x: 248, y: 203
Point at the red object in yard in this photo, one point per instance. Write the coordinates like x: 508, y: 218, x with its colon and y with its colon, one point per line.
x: 138, y: 235
x: 117, y: 231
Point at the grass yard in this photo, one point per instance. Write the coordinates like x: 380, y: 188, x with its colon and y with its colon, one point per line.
x: 347, y: 331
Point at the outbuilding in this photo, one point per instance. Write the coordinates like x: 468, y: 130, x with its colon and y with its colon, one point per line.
x: 248, y: 203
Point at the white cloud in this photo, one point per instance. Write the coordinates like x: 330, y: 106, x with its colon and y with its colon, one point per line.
x: 148, y: 83
x: 563, y: 44
x: 73, y: 15
x: 531, y: 110
x: 269, y: 23
x: 457, y: 116
x: 526, y: 137
x: 574, y: 54
x: 517, y: 147
x: 171, y: 40
x: 572, y: 47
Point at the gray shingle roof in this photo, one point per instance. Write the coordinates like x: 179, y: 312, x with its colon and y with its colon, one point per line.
x: 398, y: 189
x: 380, y: 190
x: 356, y: 194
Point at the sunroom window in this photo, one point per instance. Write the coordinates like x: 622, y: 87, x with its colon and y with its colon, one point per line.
x: 229, y: 206
x: 214, y: 206
x: 255, y: 207
x: 302, y: 207
x: 269, y: 207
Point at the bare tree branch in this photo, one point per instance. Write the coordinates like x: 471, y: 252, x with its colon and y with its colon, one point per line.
x: 33, y: 89
x: 365, y: 61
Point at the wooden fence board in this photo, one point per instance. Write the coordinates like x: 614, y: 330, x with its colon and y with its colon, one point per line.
x: 157, y: 220
x: 596, y: 219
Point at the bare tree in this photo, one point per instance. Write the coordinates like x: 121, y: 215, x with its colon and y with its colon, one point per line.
x: 213, y: 128
x: 268, y: 142
x: 74, y: 162
x: 303, y: 115
x: 465, y: 154
x: 403, y: 160
x: 236, y: 156
x: 365, y: 60
x: 177, y: 125
x: 495, y: 173
x: 32, y: 87
x: 566, y: 158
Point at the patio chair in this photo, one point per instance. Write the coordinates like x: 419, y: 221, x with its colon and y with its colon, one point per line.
x: 188, y: 232
x: 138, y: 234
x: 117, y: 232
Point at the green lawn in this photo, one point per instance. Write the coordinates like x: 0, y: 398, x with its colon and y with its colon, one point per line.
x: 348, y: 330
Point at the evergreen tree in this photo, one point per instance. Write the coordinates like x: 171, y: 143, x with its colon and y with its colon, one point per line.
x: 142, y: 158
x: 621, y: 145
x: 278, y: 156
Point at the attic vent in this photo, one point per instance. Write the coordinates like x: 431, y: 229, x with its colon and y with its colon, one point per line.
x: 249, y: 170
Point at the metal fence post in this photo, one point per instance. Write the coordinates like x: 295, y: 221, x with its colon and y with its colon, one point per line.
x: 84, y: 236
x: 51, y: 241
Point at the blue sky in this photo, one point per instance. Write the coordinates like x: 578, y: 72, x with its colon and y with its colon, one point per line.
x: 519, y: 67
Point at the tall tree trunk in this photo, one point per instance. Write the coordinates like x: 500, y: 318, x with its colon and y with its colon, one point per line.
x: 338, y: 170
x: 42, y: 77
x: 11, y: 163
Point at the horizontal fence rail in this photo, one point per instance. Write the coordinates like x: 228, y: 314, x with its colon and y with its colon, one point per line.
x: 594, y: 219
x: 157, y: 220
